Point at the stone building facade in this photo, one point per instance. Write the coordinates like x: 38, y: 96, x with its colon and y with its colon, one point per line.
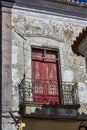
x: 49, y: 26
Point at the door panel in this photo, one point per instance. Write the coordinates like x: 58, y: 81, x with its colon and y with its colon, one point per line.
x: 45, y: 76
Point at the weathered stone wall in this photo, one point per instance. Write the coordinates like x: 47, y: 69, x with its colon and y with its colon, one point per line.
x: 5, y: 67
x: 52, y: 31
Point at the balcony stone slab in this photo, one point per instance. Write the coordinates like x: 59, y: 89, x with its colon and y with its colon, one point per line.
x: 49, y: 110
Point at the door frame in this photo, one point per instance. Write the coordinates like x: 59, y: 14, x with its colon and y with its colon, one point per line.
x: 59, y: 67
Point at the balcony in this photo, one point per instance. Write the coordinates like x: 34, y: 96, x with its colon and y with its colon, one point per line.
x: 30, y: 87
x: 55, y: 104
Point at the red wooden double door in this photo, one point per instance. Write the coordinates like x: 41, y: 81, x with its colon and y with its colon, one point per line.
x: 45, y: 74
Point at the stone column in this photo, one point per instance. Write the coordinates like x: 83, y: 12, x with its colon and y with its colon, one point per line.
x: 5, y: 63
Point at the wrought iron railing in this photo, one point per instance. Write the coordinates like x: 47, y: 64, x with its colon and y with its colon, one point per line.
x: 70, y: 93
x: 47, y: 92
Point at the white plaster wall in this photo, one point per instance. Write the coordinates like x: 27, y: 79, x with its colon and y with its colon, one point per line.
x: 50, y: 31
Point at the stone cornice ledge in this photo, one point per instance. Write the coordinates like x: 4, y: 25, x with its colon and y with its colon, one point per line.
x: 72, y: 2
x: 7, y: 3
x: 63, y: 8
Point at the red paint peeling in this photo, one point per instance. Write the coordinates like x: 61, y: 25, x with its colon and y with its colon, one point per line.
x: 45, y: 76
